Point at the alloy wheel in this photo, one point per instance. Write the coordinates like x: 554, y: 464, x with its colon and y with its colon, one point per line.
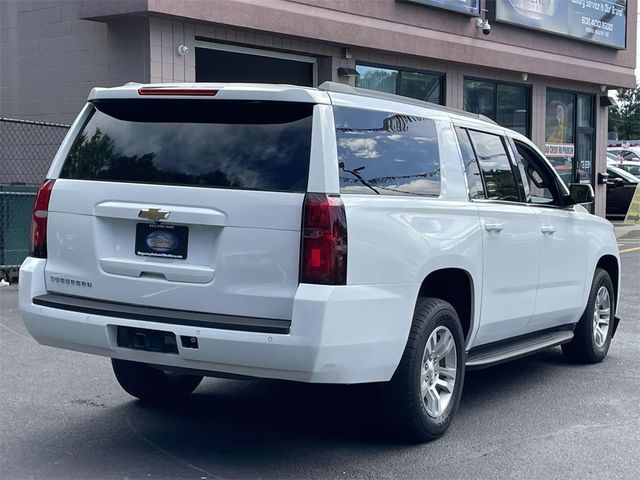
x: 601, y: 316
x: 438, y: 371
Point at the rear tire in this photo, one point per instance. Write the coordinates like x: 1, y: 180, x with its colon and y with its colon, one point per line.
x: 592, y: 335
x: 425, y: 390
x: 152, y: 385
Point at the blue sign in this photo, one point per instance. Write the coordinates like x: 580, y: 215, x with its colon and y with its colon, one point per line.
x: 597, y: 21
x: 471, y: 7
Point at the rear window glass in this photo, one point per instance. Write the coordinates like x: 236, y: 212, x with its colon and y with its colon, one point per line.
x: 206, y: 143
x: 387, y: 153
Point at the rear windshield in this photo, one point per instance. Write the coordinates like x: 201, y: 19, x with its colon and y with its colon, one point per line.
x: 206, y: 143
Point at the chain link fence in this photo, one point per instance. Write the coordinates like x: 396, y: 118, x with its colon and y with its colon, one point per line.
x: 26, y: 151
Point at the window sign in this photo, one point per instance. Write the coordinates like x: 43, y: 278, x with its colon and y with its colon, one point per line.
x: 472, y: 7
x: 559, y: 144
x: 598, y: 21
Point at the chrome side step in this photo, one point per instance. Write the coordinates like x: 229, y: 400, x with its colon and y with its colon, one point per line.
x: 486, y: 356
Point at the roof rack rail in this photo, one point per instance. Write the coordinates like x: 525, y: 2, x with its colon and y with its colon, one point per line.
x: 342, y: 88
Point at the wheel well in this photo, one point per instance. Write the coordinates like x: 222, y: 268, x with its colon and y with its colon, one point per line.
x: 610, y: 264
x: 455, y: 286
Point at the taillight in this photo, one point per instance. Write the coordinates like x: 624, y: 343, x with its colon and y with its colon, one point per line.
x: 177, y: 91
x: 39, y: 220
x: 323, y: 257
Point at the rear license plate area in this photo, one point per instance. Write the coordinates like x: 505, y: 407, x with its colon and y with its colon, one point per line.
x: 147, y: 340
x: 162, y: 240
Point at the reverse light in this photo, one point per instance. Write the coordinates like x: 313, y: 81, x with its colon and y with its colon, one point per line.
x: 323, y: 258
x: 177, y: 91
x: 38, y: 241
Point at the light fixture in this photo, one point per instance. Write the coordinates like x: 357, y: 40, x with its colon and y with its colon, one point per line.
x: 182, y: 50
x: 524, y: 77
x: 347, y: 53
x: 603, y: 88
x: 606, y: 101
x: 347, y: 72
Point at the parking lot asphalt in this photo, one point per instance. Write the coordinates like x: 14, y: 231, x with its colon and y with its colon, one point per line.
x: 63, y: 416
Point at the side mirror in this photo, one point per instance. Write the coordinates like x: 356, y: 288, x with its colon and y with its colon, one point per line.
x: 579, y: 193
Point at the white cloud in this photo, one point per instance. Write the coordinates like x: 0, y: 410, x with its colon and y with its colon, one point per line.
x: 361, y: 147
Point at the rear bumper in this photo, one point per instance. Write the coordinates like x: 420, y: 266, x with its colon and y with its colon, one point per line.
x: 344, y: 334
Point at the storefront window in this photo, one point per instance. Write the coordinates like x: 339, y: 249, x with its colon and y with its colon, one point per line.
x: 569, y: 135
x: 420, y: 85
x: 380, y: 79
x: 480, y: 97
x: 512, y: 107
x: 507, y: 104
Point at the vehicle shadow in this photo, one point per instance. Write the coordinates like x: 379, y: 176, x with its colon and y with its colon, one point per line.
x: 265, y: 411
x: 264, y: 428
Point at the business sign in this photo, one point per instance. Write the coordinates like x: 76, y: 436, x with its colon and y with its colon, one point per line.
x: 598, y: 21
x: 471, y: 7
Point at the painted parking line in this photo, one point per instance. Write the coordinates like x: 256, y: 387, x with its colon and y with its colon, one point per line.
x: 633, y: 249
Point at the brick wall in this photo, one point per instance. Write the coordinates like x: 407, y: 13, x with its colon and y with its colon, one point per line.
x: 50, y: 59
x: 167, y: 66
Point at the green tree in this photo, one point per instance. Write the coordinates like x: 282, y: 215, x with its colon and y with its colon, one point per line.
x: 625, y: 119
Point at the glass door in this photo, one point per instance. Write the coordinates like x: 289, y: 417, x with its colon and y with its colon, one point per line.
x: 584, y: 161
x: 583, y: 167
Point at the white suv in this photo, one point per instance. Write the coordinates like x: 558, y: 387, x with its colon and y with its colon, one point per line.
x: 330, y: 235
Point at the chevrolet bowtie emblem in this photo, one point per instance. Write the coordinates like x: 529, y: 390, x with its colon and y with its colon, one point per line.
x: 154, y: 214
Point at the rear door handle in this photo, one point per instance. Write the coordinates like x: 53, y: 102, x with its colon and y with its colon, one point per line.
x: 493, y: 227
x: 547, y: 229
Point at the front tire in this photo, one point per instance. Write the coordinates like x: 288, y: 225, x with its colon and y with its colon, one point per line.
x: 152, y: 385
x: 592, y: 336
x: 426, y: 388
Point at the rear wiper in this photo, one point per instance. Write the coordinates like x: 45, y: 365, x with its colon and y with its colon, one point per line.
x: 355, y: 173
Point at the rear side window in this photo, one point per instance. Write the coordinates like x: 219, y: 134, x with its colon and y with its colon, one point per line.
x: 205, y: 143
x: 387, y: 153
x: 499, y: 178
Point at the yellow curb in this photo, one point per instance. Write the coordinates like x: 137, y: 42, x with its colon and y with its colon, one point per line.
x: 627, y: 250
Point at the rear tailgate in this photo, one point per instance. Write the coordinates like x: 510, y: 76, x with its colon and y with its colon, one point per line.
x: 183, y: 204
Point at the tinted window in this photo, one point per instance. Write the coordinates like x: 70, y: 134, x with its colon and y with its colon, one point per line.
x: 474, y: 180
x: 496, y: 169
x: 387, y: 153
x: 221, y: 66
x: 208, y: 143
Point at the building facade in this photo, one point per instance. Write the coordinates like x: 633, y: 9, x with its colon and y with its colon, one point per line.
x: 544, y: 68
